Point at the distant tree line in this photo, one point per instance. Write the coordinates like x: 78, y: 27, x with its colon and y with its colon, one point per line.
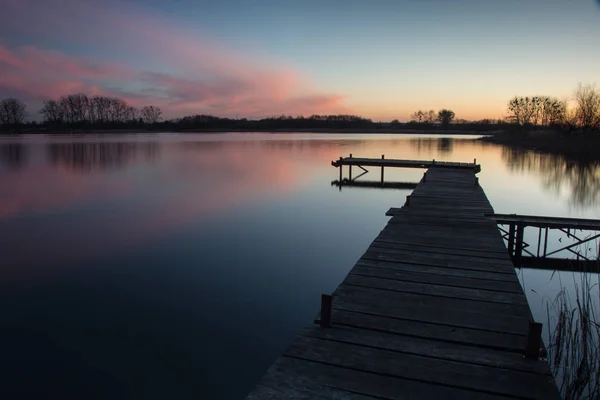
x: 582, y: 114
x: 80, y: 113
x: 12, y: 114
x: 443, y: 117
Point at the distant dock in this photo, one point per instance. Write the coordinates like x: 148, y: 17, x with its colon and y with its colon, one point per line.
x: 432, y: 310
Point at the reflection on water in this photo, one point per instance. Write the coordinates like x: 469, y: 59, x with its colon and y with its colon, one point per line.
x: 580, y: 179
x: 89, y: 156
x: 163, y: 266
x: 444, y: 145
x: 13, y: 155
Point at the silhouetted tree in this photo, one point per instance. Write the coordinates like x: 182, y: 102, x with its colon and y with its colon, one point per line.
x: 52, y: 112
x: 431, y: 117
x: 537, y: 110
x: 587, y: 112
x: 151, y: 114
x: 12, y: 113
x: 445, y: 117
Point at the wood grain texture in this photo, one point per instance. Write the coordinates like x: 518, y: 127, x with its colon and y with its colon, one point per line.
x: 432, y: 309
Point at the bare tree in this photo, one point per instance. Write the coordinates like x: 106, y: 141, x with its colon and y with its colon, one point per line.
x: 418, y: 116
x: 151, y: 114
x: 52, y: 112
x: 12, y: 113
x: 445, y: 117
x: 430, y: 117
x: 587, y: 99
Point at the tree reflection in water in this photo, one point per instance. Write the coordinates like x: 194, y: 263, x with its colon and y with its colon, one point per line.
x: 13, y: 155
x: 87, y: 157
x: 581, y: 178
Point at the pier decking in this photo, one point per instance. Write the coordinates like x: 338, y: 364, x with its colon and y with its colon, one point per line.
x: 376, y: 162
x: 432, y: 310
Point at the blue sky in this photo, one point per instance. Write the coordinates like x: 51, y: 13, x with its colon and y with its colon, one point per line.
x: 380, y: 59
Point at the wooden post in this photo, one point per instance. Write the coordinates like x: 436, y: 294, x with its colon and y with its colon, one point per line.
x: 475, y: 161
x: 511, y: 240
x: 341, y: 171
x: 534, y: 340
x: 519, y: 246
x: 383, y: 158
x: 350, y: 170
x: 546, y: 243
x: 326, y: 306
x: 407, y: 201
x: 425, y: 177
x: 434, y: 161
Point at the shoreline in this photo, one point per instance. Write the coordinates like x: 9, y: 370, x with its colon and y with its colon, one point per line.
x: 324, y: 130
x: 581, y: 148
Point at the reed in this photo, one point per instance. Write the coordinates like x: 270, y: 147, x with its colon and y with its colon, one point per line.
x: 574, y: 338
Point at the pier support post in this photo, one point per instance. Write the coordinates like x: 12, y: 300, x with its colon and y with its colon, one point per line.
x: 425, y: 177
x: 511, y: 240
x: 341, y: 168
x: 350, y: 170
x: 383, y: 158
x: 534, y: 340
x: 326, y: 310
x: 519, y: 246
x: 407, y: 201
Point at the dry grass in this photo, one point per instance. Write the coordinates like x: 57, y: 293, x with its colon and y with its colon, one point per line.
x: 574, y: 341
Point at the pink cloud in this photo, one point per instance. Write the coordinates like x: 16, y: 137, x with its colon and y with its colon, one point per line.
x: 181, y: 71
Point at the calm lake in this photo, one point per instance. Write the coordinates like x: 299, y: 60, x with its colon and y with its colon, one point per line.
x: 181, y: 265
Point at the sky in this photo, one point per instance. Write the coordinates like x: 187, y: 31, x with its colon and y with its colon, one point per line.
x: 254, y: 58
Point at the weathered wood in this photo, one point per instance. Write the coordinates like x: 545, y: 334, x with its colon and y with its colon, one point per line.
x: 435, y: 260
x: 546, y: 222
x: 433, y: 309
x: 289, y: 375
x: 427, y: 369
x: 376, y: 162
x: 429, y: 348
x: 435, y: 290
x: 442, y: 250
x: 435, y: 279
x: 439, y: 270
x: 534, y: 340
x: 476, y: 338
x: 453, y: 312
x: 326, y: 306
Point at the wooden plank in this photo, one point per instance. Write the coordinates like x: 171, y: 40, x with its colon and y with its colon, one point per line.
x: 443, y: 250
x: 436, y: 260
x: 435, y: 290
x: 437, y: 279
x: 445, y: 333
x: 455, y: 312
x: 547, y: 222
x: 444, y: 271
x: 288, y: 377
x: 430, y: 348
x: 439, y: 239
x: 424, y: 369
x: 406, y: 241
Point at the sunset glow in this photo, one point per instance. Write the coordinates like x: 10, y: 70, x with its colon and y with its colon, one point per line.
x: 261, y: 60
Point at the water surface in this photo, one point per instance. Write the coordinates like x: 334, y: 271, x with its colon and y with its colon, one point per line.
x: 180, y: 266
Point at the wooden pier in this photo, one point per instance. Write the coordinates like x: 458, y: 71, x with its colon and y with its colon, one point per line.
x: 392, y: 163
x: 432, y: 310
